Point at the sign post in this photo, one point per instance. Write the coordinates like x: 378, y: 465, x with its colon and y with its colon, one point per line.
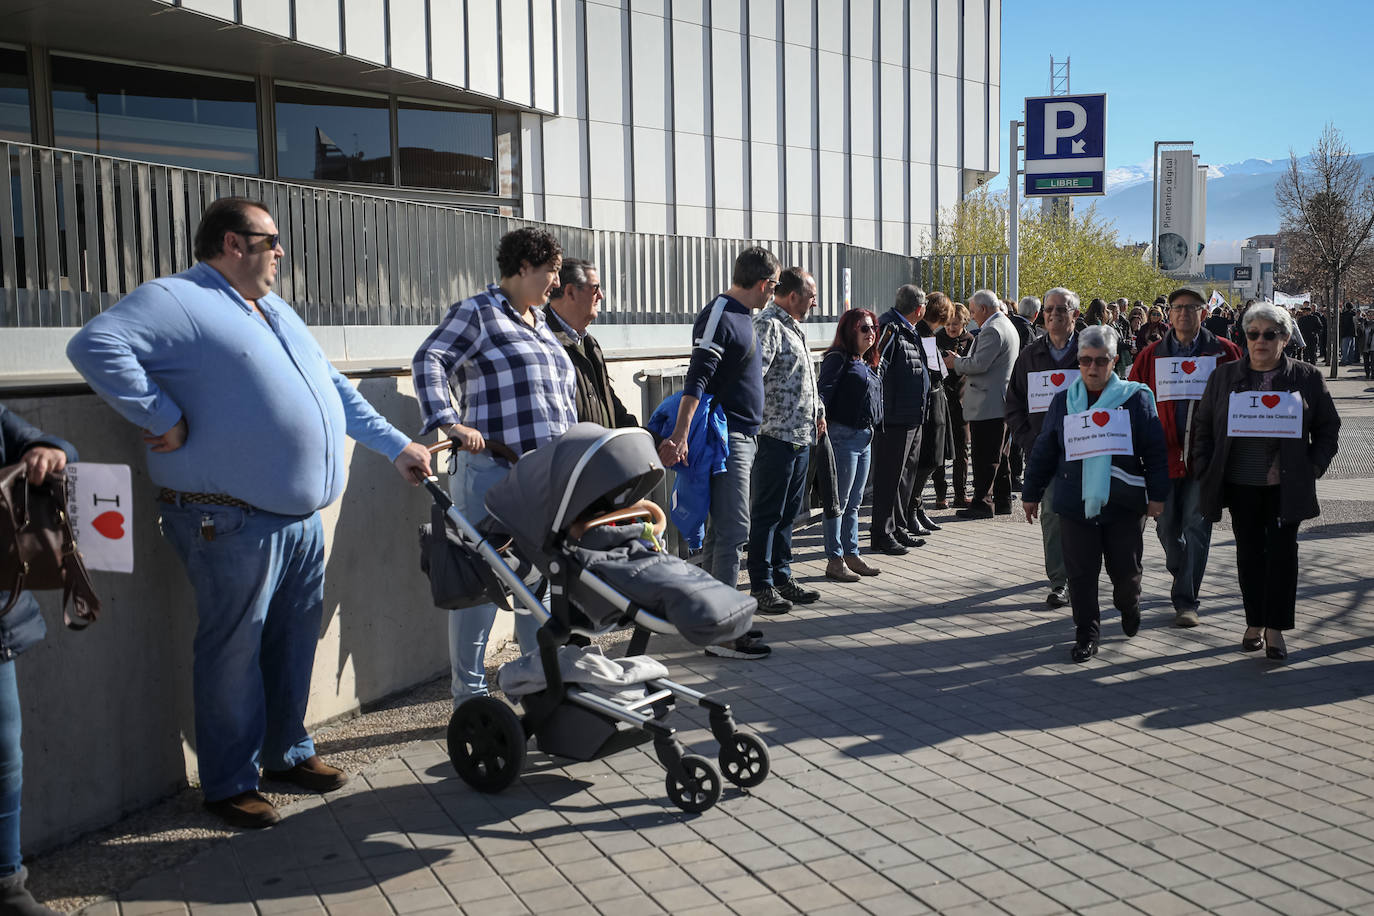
x: 1066, y: 146
x: 1014, y: 252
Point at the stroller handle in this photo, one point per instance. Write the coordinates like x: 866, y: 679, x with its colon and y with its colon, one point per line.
x: 493, y: 448
x: 642, y: 509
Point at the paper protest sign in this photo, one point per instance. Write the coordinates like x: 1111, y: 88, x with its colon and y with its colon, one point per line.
x: 1041, y: 387
x: 100, y: 505
x: 1263, y: 414
x: 1097, y: 432
x: 1182, y: 378
x: 933, y: 360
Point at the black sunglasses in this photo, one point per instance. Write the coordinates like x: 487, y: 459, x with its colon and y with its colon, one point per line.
x: 1270, y: 334
x: 272, y: 237
x: 1099, y: 361
x: 867, y: 327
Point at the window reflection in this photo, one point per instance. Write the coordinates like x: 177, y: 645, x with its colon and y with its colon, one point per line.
x: 14, y: 96
x: 443, y: 147
x: 185, y: 119
x: 332, y: 136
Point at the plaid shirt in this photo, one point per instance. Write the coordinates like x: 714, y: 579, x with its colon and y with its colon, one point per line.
x: 515, y: 384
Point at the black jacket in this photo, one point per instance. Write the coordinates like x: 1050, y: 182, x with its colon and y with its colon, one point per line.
x: 23, y: 625
x: 1301, y: 461
x: 905, y: 380
x: 1023, y: 425
x: 596, y: 398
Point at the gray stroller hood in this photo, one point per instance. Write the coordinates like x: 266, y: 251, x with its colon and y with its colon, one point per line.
x: 550, y: 487
x: 594, y: 469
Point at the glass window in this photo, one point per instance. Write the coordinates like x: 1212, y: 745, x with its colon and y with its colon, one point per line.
x: 186, y: 119
x: 14, y: 96
x: 446, y: 148
x: 333, y: 136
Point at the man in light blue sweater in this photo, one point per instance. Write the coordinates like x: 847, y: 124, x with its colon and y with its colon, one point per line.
x: 244, y: 418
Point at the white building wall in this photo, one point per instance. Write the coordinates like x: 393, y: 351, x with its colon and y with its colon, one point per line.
x: 839, y: 120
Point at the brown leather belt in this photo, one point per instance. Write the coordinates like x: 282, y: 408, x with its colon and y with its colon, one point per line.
x: 176, y: 498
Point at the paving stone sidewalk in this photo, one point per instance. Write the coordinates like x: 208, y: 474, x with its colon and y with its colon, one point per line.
x: 933, y: 750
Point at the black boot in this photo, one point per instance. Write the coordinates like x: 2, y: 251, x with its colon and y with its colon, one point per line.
x: 15, y: 900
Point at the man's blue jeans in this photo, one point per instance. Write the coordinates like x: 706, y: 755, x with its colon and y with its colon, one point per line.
x: 852, y: 453
x: 728, y: 526
x: 469, y: 628
x: 777, y: 484
x: 1347, y: 351
x: 11, y: 770
x: 1186, y: 538
x: 259, y: 585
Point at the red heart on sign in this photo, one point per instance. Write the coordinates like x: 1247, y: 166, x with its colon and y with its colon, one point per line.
x: 1270, y: 400
x: 1188, y: 366
x: 1101, y: 417
x: 110, y: 524
x: 1057, y: 378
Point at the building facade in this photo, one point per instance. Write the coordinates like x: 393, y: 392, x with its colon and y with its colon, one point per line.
x: 851, y: 121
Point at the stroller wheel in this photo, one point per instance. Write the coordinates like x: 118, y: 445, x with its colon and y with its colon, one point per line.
x: 744, y: 760
x: 486, y: 743
x: 700, y: 787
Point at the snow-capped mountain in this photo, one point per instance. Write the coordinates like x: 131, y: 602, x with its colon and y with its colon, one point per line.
x: 1240, y: 198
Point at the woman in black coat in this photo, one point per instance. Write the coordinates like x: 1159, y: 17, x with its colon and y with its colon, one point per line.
x: 20, y: 629
x: 1268, y: 482
x: 954, y: 336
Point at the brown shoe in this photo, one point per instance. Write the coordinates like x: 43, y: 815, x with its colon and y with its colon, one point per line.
x: 961, y: 502
x: 312, y: 773
x: 942, y: 504
x: 835, y: 569
x: 856, y: 563
x: 248, y: 810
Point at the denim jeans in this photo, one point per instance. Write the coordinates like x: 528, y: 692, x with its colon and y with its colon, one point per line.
x: 469, y: 628
x: 259, y: 584
x: 728, y: 524
x: 1347, y: 350
x: 852, y: 452
x: 11, y: 770
x: 1186, y: 537
x: 777, y: 484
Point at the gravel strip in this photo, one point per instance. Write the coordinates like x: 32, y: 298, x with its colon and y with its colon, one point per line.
x: 99, y: 865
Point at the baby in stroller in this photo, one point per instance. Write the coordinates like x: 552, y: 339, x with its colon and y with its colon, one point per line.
x: 572, y: 514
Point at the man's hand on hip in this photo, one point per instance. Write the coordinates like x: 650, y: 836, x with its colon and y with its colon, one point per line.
x: 169, y: 441
x: 413, y: 463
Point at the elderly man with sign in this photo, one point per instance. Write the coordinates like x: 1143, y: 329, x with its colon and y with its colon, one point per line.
x: 1265, y: 430
x: 1177, y: 368
x: 1045, y: 367
x: 1103, y: 448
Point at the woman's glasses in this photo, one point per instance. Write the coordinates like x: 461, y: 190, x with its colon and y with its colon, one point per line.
x: 867, y: 328
x: 1270, y: 334
x: 1099, y: 361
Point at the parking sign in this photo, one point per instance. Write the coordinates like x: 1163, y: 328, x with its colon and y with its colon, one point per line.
x: 1066, y: 145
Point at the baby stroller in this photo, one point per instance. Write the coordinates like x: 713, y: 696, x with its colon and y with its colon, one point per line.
x: 572, y: 515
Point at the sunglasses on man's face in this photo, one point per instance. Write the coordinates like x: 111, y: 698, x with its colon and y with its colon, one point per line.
x: 1270, y: 334
x: 1098, y: 361
x: 1056, y: 310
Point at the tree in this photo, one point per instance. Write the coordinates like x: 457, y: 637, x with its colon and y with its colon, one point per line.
x: 1326, y: 210
x: 1079, y: 251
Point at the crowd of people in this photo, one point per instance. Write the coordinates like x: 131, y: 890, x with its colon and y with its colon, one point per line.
x: 1100, y: 417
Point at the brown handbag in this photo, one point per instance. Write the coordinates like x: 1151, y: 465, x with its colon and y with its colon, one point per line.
x: 37, y: 547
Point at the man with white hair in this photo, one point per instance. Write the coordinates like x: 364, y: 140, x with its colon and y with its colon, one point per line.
x: 987, y: 369
x: 1043, y: 369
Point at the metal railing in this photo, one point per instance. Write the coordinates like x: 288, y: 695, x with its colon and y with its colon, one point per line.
x: 81, y: 230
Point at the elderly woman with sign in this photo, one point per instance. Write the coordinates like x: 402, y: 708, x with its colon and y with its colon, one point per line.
x: 1265, y: 430
x: 1103, y: 448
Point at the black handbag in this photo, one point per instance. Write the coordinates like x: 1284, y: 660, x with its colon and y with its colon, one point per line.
x: 458, y: 577
x: 37, y: 546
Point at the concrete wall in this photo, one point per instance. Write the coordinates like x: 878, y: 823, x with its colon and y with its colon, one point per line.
x: 108, y: 725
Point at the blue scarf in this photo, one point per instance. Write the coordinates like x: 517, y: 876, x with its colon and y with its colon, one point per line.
x: 1097, y: 469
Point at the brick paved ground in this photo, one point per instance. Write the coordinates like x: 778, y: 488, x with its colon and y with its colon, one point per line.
x: 933, y: 750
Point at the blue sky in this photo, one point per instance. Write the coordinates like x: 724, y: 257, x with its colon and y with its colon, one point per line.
x: 1243, y: 80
